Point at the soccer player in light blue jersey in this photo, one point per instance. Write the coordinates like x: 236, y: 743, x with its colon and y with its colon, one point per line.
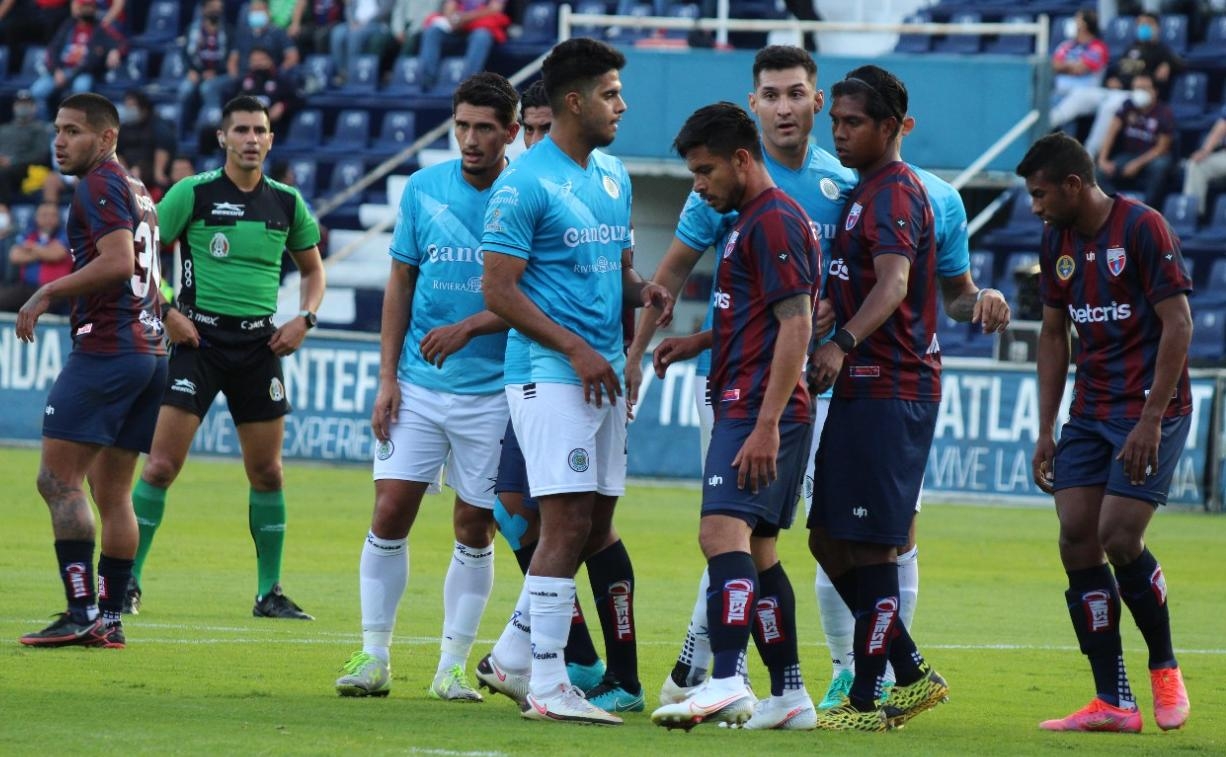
x: 557, y: 246
x: 440, y: 395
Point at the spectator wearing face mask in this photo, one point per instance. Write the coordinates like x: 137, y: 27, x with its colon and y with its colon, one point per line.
x: 146, y: 142
x: 1136, y: 151
x: 81, y: 52
x: 257, y: 30
x: 265, y: 83
x: 25, y: 141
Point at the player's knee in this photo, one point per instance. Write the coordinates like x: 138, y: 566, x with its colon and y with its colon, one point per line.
x: 50, y: 486
x: 513, y: 526
x: 160, y: 471
x: 1122, y: 547
x: 265, y: 477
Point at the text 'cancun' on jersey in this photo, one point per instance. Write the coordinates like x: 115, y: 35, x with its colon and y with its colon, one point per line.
x: 888, y: 214
x: 571, y: 224
x: 122, y: 319
x: 1109, y: 285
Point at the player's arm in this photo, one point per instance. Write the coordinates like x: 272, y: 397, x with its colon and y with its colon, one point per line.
x: 394, y: 325
x: 505, y: 299
x: 966, y: 302
x: 113, y: 266
x: 756, y: 460
x: 443, y: 341
x: 1140, y: 451
x: 639, y: 293
x: 1052, y: 355
x: 678, y: 348
x: 312, y: 280
x: 679, y: 261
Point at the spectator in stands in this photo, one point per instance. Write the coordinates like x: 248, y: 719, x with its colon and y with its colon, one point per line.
x: 257, y: 30
x: 46, y: 16
x: 364, y: 30
x: 1136, y: 150
x: 81, y: 51
x: 480, y: 24
x: 41, y: 255
x: 146, y: 142
x: 209, y: 41
x: 181, y: 168
x: 312, y: 24
x: 111, y: 13
x: 25, y: 141
x: 1207, y: 164
x: 1080, y: 61
x: 273, y: 89
x: 281, y: 13
x: 408, y: 19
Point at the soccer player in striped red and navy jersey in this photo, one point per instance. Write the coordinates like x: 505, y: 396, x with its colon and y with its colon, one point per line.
x: 101, y: 412
x: 1112, y: 268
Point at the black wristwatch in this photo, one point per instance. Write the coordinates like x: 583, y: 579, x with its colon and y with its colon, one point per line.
x: 310, y: 318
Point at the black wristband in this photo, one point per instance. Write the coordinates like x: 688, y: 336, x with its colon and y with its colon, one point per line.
x: 844, y: 340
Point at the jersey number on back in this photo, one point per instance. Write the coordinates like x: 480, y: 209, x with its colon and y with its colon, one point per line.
x: 147, y: 273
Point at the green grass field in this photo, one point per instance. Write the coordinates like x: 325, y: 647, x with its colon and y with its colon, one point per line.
x: 200, y: 675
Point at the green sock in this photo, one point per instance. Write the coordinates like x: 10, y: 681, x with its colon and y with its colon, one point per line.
x: 149, y: 501
x: 267, y: 521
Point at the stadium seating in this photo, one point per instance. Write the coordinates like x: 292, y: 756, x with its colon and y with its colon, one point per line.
x: 131, y: 74
x: 161, y: 26
x: 960, y: 44
x: 305, y: 133
x: 346, y: 172
x: 306, y: 175
x: 592, y: 7
x: 1213, y: 292
x: 983, y: 268
x: 1211, y: 52
x: 362, y: 78
x: 450, y: 74
x: 352, y: 133
x: 171, y: 73
x: 1022, y: 228
x: 398, y: 131
x: 1174, y: 32
x: 5, y: 57
x: 317, y: 73
x: 1214, y: 231
x: 1119, y: 33
x: 915, y: 43
x: 1012, y: 44
x: 540, y: 28
x: 32, y: 64
x: 1180, y: 212
x: 1014, y: 262
x: 1189, y: 97
x: 404, y: 80
x: 1208, y: 335
x: 682, y: 10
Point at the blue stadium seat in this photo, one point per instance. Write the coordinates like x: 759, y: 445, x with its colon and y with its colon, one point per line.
x: 398, y: 130
x: 305, y: 133
x: 23, y: 216
x: 1173, y: 29
x: 363, y: 75
x: 1211, y: 52
x: 171, y: 72
x: 915, y: 43
x: 952, y: 336
x: 450, y: 74
x: 1213, y: 292
x: 317, y: 72
x: 1012, y: 44
x: 1208, y: 335
x: 1022, y: 228
x: 960, y: 44
x: 33, y: 64
x: 1214, y: 231
x: 1190, y: 96
x: 1180, y: 212
x: 1007, y: 283
x: 1062, y: 28
x: 691, y: 11
x: 306, y: 175
x: 405, y: 79
x: 346, y: 172
x: 983, y: 268
x: 540, y: 25
x: 352, y: 132
x: 5, y: 56
x: 591, y: 7
x: 1119, y: 33
x: 161, y: 25
x: 132, y: 73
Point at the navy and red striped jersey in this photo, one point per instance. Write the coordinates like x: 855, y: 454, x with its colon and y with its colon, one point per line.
x: 125, y: 318
x: 888, y: 213
x: 1109, y: 285
x: 770, y: 254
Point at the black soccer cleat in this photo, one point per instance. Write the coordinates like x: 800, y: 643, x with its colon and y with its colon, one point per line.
x: 276, y: 605
x: 112, y: 637
x: 68, y: 632
x: 131, y: 598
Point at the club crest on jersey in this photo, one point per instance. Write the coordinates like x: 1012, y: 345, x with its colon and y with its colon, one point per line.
x: 830, y: 190
x: 384, y: 449
x: 219, y: 245
x: 853, y: 216
x: 1065, y: 267
x: 611, y: 188
x: 1116, y: 260
x: 578, y: 460
x: 276, y: 391
x: 735, y: 235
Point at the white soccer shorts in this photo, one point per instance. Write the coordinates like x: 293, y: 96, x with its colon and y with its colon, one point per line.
x: 569, y: 445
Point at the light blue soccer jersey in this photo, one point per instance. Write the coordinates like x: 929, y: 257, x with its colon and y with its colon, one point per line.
x: 517, y: 367
x: 438, y: 231
x: 571, y: 224
x: 949, y: 214
x: 820, y: 186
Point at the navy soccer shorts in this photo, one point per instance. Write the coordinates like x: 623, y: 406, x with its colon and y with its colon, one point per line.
x: 1085, y: 456
x: 111, y: 400
x: 512, y: 471
x: 773, y: 505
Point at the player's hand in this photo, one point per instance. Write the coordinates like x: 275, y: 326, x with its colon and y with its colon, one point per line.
x: 287, y: 339
x: 992, y: 311
x: 674, y: 350
x: 1140, y: 451
x: 1042, y: 464
x: 596, y: 375
x: 656, y: 296
x: 443, y: 341
x: 823, y: 319
x: 179, y: 328
x: 29, y: 313
x: 386, y: 409
x: 755, y: 462
x: 825, y: 365
x: 634, y: 380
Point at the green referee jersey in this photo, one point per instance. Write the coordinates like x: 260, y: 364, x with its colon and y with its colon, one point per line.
x: 233, y: 240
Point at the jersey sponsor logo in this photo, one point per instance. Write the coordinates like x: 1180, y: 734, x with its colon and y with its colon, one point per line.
x: 611, y: 188
x: 768, y: 620
x: 493, y: 223
x: 150, y: 322
x: 473, y: 285
x: 219, y: 245
x: 228, y: 210
x: 884, y: 614
x: 1065, y: 266
x: 602, y: 234
x: 186, y: 386
x: 384, y: 449
x: 602, y: 265
x: 738, y: 594
x: 543, y: 655
x: 207, y: 320
x: 1157, y: 582
x: 578, y: 460
x: 864, y: 371
x: 721, y: 299
x: 829, y: 189
x: 85, y: 329
x: 448, y: 254
x: 255, y: 325
x: 730, y: 395
x: 621, y: 602
x: 735, y: 235
x: 1116, y: 260
x: 853, y: 216
x: 838, y: 269
x: 1098, y: 611
x: 1116, y: 311
x: 276, y: 390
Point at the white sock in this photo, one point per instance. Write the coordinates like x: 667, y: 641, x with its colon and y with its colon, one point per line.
x: 696, y: 651
x: 383, y: 574
x: 553, y: 600
x: 838, y: 624
x: 513, y: 651
x: 908, y: 593
x: 470, y: 577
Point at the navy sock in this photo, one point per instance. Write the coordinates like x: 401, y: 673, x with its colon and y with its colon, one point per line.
x: 611, y: 575
x: 846, y: 586
x: 1143, y: 589
x: 774, y: 633
x: 877, y: 625
x: 523, y: 556
x: 730, y: 601
x: 113, y: 575
x: 1094, y: 607
x: 76, y: 559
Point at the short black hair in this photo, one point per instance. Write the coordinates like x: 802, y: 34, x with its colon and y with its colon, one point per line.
x: 885, y: 96
x: 534, y: 96
x: 1055, y: 157
x: 242, y: 104
x: 488, y: 90
x: 1089, y: 17
x: 100, y: 113
x: 1151, y: 16
x: 723, y: 128
x: 576, y: 64
x: 781, y: 58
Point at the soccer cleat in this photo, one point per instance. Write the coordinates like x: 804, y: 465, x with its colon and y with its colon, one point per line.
x: 906, y: 702
x: 1170, y: 698
x: 1098, y: 716
x: 791, y: 711
x: 840, y: 688
x: 672, y: 692
x: 566, y: 705
x: 111, y: 638
x: 501, y: 681
x: 365, y: 676
x: 611, y: 696
x: 275, y: 604
x: 452, y: 685
x: 585, y: 677
x: 131, y: 598
x: 68, y: 632
x: 846, y: 717
x: 717, y: 700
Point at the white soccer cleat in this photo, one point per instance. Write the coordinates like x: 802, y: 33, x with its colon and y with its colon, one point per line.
x: 501, y: 681
x: 717, y: 700
x: 452, y: 685
x: 791, y: 711
x: 566, y: 705
x: 672, y: 692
